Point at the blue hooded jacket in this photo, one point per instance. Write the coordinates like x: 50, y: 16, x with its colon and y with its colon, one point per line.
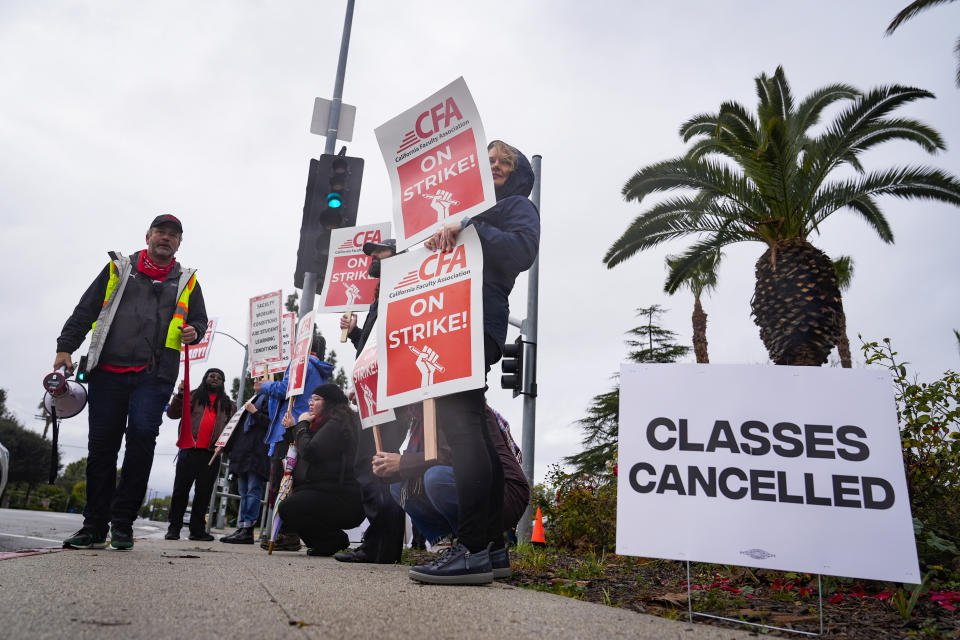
x: 318, y: 372
x: 510, y: 235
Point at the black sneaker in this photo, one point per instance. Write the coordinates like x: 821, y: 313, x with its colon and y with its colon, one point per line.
x: 173, y: 533
x: 86, y: 538
x: 203, y: 536
x: 121, y: 538
x: 457, y: 566
x: 285, y: 542
x: 500, y: 561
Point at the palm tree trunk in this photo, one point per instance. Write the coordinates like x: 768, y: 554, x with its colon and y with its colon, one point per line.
x: 843, y: 346
x: 700, y: 332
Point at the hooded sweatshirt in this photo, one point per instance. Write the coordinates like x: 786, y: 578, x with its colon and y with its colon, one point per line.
x: 510, y: 235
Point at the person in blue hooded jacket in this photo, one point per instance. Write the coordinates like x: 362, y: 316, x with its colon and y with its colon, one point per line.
x: 509, y: 233
x: 318, y: 373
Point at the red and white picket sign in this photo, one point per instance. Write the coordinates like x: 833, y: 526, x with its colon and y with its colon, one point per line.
x: 346, y: 285
x: 265, y: 335
x: 430, y: 323
x: 288, y: 329
x: 364, y: 378
x: 301, y: 356
x: 436, y: 157
x: 200, y: 351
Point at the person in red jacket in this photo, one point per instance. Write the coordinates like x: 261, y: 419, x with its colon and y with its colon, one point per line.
x: 210, y: 410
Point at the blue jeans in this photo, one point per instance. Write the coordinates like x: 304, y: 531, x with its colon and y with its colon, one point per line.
x: 121, y: 404
x: 251, y: 490
x: 435, y: 510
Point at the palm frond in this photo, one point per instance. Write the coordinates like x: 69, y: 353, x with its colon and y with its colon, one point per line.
x: 843, y: 265
x: 808, y: 112
x: 699, y: 278
x: 911, y: 10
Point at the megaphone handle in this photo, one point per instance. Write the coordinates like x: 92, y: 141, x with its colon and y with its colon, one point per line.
x: 55, y: 438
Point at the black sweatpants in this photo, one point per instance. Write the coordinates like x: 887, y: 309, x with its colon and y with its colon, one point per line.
x: 476, y: 465
x: 383, y: 539
x: 320, y: 515
x: 192, y: 468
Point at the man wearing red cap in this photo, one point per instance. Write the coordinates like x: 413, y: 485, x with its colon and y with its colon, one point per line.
x: 142, y: 309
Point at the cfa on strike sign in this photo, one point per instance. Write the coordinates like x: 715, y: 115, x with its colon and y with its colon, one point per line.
x: 364, y: 377
x: 430, y: 323
x: 791, y: 468
x: 436, y: 157
x: 346, y: 285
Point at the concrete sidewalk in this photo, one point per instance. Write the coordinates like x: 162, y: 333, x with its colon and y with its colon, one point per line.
x: 179, y: 589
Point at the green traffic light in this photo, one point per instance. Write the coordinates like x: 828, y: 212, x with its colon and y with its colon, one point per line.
x: 334, y: 201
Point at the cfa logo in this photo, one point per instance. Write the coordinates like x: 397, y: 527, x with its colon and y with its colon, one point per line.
x: 364, y: 237
x: 435, y: 265
x: 446, y: 112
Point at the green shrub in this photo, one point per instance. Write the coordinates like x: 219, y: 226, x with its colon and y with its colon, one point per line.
x: 929, y: 418
x: 580, y: 510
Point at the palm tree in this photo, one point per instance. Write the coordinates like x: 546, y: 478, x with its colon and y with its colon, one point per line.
x: 843, y: 267
x: 764, y: 178
x: 700, y: 280
x: 913, y: 9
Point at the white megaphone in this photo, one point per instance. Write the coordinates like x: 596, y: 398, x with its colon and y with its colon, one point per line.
x: 64, y: 398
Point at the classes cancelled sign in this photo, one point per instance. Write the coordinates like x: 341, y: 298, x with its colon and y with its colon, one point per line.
x: 436, y: 156
x: 801, y: 465
x: 347, y: 286
x: 365, y: 374
x: 265, y: 339
x: 430, y: 323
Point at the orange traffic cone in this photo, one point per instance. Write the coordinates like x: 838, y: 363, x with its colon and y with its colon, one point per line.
x: 537, y: 537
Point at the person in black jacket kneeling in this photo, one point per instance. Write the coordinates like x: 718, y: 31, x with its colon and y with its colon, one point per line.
x: 326, y: 495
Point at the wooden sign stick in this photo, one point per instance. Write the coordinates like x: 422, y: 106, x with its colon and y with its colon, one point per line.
x: 429, y: 429
x: 344, y: 332
x: 377, y: 440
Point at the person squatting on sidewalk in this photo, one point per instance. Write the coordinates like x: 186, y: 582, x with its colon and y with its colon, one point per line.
x: 142, y: 308
x: 278, y: 436
x: 427, y: 490
x: 210, y: 410
x: 250, y: 463
x: 383, y: 540
x: 510, y: 236
x: 326, y: 496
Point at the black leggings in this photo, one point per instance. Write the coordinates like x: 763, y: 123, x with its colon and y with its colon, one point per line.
x: 476, y: 464
x: 320, y: 515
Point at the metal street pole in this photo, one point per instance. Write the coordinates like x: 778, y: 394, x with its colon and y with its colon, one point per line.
x: 309, y: 278
x: 529, y: 331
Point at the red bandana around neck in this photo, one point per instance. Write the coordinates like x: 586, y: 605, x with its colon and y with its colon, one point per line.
x: 151, y: 269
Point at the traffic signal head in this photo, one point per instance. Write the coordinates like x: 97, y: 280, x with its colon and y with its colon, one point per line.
x: 333, y: 193
x: 512, y: 367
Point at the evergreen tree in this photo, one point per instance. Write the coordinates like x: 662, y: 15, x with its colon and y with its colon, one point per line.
x: 29, y: 451
x: 650, y: 343
x: 340, y: 377
x: 292, y: 302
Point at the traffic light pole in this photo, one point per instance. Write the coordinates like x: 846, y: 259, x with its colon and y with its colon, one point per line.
x: 529, y: 331
x: 310, y: 279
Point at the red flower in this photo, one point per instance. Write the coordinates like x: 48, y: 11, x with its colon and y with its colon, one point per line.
x: 884, y: 595
x: 836, y: 599
x: 805, y: 591
x: 615, y: 469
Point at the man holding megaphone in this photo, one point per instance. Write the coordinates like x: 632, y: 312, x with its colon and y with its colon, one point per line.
x: 142, y: 309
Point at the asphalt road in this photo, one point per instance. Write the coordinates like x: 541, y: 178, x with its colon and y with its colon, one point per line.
x: 22, y: 529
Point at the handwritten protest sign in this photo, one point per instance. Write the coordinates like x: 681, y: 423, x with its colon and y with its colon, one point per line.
x: 346, y: 285
x: 288, y: 328
x: 430, y: 323
x: 805, y: 486
x: 436, y: 158
x: 301, y: 355
x: 265, y: 337
x: 228, y: 430
x: 365, y: 374
x: 200, y: 351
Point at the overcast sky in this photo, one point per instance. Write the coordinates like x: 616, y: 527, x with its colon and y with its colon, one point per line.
x: 112, y: 112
